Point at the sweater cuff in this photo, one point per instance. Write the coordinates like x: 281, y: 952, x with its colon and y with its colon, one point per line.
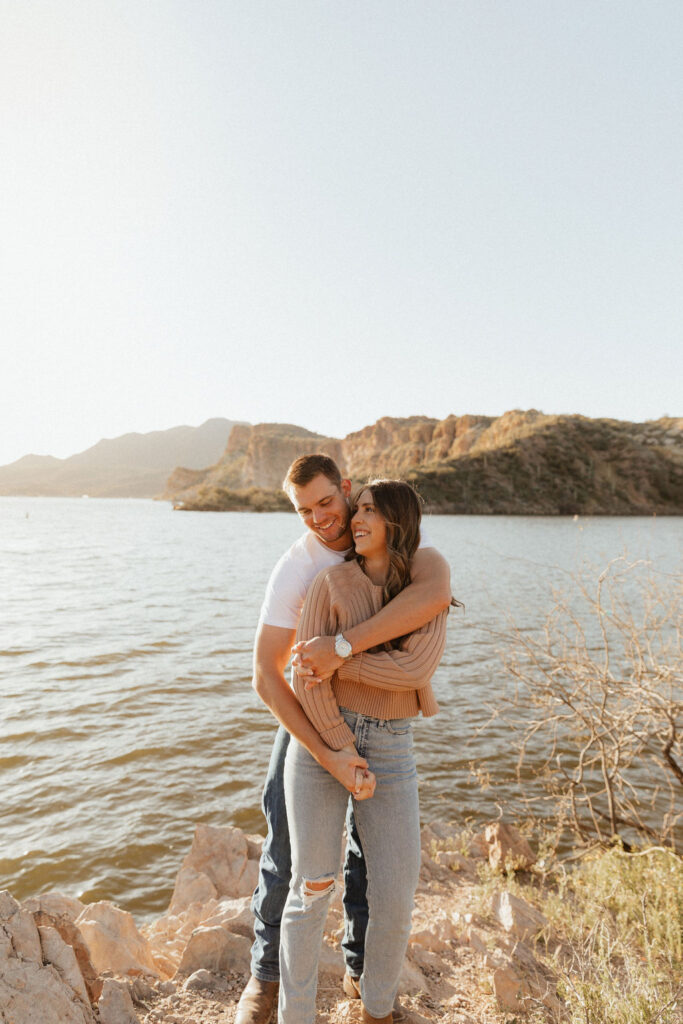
x: 338, y: 737
x: 350, y: 670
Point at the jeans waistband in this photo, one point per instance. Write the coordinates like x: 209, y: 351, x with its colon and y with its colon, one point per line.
x: 353, y: 717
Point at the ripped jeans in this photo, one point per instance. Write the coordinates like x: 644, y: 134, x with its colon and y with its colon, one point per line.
x: 389, y: 829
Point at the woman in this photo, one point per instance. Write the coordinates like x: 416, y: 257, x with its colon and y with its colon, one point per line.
x: 368, y: 705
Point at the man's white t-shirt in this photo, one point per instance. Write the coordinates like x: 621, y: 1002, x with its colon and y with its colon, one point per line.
x: 293, y: 575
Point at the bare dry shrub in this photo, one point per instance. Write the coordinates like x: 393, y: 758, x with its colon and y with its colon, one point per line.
x: 597, y: 708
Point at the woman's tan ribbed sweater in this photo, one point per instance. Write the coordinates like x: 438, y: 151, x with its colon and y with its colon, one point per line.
x: 391, y: 684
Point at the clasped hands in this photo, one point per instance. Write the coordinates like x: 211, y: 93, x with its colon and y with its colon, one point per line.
x: 315, y: 659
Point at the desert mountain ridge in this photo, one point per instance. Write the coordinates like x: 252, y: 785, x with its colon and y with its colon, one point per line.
x: 130, y: 466
x: 522, y: 462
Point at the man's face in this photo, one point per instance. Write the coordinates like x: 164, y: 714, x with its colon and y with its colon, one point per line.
x: 324, y: 508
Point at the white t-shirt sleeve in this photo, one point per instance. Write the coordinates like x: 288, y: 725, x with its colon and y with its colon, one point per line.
x: 285, y: 596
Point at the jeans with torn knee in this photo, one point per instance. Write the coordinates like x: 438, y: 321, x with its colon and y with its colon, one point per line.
x: 274, y: 875
x: 389, y: 829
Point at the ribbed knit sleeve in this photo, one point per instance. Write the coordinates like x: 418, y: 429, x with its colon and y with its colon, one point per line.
x: 319, y: 703
x: 410, y: 667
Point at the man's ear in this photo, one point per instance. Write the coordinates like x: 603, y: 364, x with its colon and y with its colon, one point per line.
x: 346, y: 488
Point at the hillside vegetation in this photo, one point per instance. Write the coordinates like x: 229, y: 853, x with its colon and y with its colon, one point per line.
x: 522, y: 463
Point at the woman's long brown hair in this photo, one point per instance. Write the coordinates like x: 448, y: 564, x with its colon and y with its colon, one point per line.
x: 399, y: 505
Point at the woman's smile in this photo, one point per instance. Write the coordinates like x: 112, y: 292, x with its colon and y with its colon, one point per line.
x: 368, y: 527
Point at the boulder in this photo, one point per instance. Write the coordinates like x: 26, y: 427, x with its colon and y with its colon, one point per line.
x: 517, y: 916
x: 56, y: 904
x: 428, y: 960
x: 507, y: 849
x: 199, y: 981
x: 218, y: 865
x: 191, y: 887
x: 412, y: 979
x: 215, y: 949
x: 115, y: 1004
x: 113, y: 941
x: 72, y: 936
x: 31, y: 993
x: 520, y: 981
x: 235, y: 915
x: 63, y: 958
x: 455, y: 862
x: 20, y: 929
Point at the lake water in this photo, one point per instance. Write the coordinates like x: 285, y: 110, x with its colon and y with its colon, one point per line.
x: 125, y: 672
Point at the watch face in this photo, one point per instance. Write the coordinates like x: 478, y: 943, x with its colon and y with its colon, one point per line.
x: 342, y: 647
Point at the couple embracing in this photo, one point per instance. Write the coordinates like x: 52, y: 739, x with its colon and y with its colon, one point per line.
x: 365, y: 596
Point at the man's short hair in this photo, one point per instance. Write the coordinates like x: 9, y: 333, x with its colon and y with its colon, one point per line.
x: 307, y: 467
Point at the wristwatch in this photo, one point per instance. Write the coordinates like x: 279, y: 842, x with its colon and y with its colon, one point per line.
x: 342, y: 647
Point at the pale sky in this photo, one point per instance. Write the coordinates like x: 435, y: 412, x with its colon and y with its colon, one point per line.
x: 325, y: 212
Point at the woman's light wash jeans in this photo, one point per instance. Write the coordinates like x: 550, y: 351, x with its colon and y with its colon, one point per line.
x: 275, y: 870
x: 389, y: 829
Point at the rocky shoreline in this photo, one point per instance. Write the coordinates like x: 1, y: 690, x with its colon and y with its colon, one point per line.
x: 62, y: 962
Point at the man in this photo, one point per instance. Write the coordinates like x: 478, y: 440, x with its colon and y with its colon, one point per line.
x: 321, y: 498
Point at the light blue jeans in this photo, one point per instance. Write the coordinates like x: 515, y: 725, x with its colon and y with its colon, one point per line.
x: 275, y: 869
x: 389, y: 829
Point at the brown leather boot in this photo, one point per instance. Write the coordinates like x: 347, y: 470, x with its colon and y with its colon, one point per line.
x: 257, y: 1002
x: 351, y: 987
x: 367, y: 1019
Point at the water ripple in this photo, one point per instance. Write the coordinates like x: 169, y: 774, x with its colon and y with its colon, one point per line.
x: 128, y: 712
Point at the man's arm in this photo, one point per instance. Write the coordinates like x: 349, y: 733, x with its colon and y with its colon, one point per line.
x: 428, y: 594
x: 271, y: 654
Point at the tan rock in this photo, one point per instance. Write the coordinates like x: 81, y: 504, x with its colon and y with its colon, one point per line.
x: 200, y: 981
x: 72, y: 936
x: 20, y: 929
x: 63, y: 959
x: 412, y: 979
x: 191, y: 887
x: 507, y: 849
x: 113, y: 941
x: 476, y: 941
x: 428, y: 960
x: 115, y: 1004
x: 254, y: 847
x: 428, y: 940
x: 165, y: 965
x: 520, y: 981
x: 517, y: 916
x: 221, y: 856
x: 215, y: 949
x: 477, y: 847
x: 235, y: 915
x: 31, y: 993
x: 455, y: 861
x: 56, y: 904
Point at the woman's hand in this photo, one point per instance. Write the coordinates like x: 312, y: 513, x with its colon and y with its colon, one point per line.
x: 315, y: 659
x: 365, y: 784
x: 365, y: 780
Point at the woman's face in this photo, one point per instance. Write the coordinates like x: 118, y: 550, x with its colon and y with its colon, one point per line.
x: 368, y: 527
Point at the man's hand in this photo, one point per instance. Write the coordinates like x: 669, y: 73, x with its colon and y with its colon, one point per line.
x: 315, y: 659
x: 349, y: 768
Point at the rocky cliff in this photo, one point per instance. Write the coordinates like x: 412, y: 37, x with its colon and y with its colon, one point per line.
x: 523, y: 462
